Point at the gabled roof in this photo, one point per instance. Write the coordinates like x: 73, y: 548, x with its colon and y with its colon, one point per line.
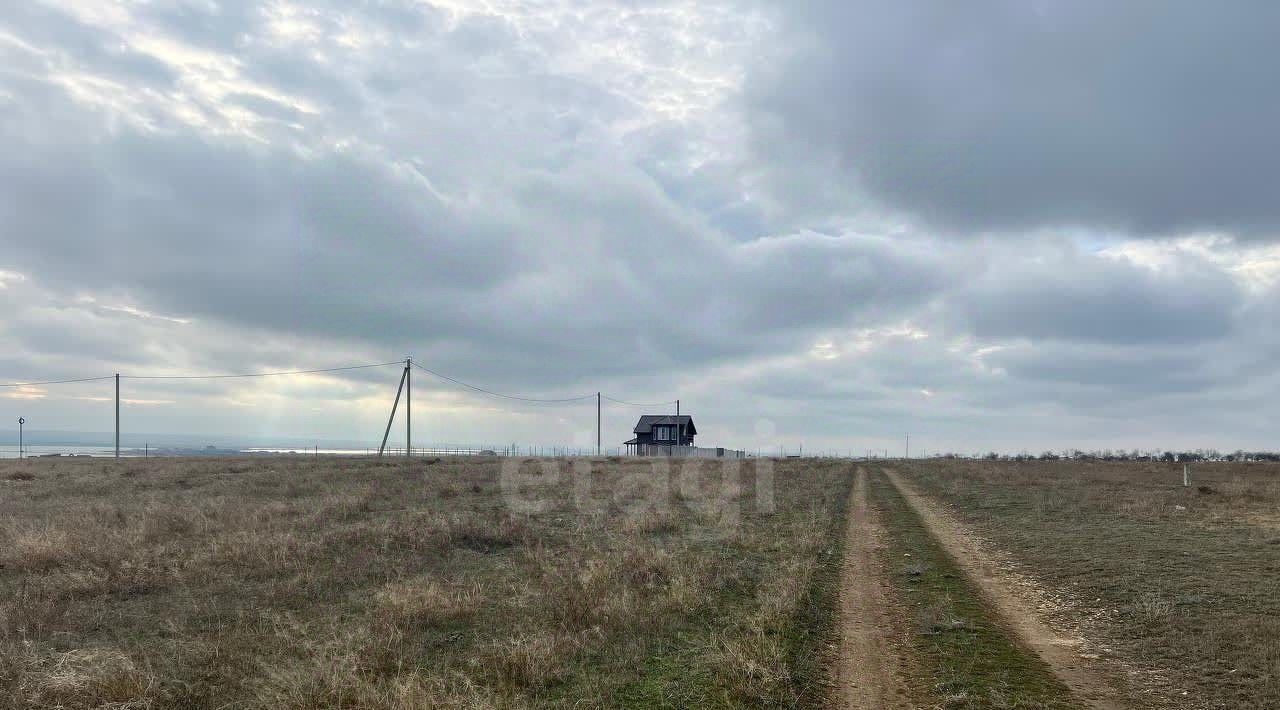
x: 645, y: 425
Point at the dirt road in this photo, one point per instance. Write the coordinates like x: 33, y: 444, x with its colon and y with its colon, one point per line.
x: 1059, y: 651
x: 866, y: 677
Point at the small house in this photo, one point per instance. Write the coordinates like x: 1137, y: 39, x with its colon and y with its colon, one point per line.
x: 662, y: 430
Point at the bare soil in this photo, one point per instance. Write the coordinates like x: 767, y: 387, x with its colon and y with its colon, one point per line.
x: 870, y: 662
x: 1061, y: 651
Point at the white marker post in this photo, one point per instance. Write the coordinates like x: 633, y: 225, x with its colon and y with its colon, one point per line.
x: 1186, y: 475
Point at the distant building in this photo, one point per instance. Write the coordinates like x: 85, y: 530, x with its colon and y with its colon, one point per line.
x: 662, y: 430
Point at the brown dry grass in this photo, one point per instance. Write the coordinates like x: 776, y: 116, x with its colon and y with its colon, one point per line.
x: 1176, y: 585
x: 283, y: 582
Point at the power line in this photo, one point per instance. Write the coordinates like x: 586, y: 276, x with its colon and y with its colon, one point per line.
x: 57, y: 382
x: 348, y: 368
x: 203, y: 377
x: 259, y: 374
x: 636, y: 404
x: 517, y: 398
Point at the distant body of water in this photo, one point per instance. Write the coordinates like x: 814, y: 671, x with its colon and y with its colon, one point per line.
x: 370, y: 452
x: 11, y: 452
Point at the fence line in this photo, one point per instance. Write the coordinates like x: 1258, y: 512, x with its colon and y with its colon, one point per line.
x: 155, y: 451
x: 688, y: 452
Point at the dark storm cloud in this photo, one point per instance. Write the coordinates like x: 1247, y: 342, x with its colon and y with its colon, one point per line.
x: 1147, y: 116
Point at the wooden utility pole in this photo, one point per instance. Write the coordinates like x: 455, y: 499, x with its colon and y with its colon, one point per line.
x: 598, y: 410
x: 399, y: 389
x: 408, y: 407
x: 117, y: 415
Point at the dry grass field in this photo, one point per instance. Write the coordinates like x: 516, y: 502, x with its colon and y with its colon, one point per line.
x: 1175, y: 588
x: 298, y: 583
x: 301, y: 583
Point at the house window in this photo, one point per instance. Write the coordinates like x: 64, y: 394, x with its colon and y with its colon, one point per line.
x: 664, y: 433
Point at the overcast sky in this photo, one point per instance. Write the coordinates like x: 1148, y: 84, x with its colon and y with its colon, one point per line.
x: 997, y: 224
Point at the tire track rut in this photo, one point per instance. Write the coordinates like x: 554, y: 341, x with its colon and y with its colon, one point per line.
x: 867, y: 676
x: 1086, y: 682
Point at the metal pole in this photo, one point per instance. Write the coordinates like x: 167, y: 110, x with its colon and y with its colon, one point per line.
x: 598, y: 423
x: 678, y: 427
x: 21, y: 421
x: 117, y: 415
x: 408, y: 407
x: 392, y: 418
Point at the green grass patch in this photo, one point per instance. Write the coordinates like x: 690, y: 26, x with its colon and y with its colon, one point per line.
x: 964, y: 657
x: 1161, y: 576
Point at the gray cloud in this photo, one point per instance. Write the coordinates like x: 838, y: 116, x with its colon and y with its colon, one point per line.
x: 591, y: 270
x: 64, y: 43
x: 1060, y: 293
x: 1151, y: 117
x: 552, y: 201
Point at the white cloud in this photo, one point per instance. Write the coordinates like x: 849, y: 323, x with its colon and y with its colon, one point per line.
x: 24, y: 392
x: 552, y: 197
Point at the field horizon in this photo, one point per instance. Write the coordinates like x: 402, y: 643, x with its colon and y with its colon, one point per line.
x: 611, y: 582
